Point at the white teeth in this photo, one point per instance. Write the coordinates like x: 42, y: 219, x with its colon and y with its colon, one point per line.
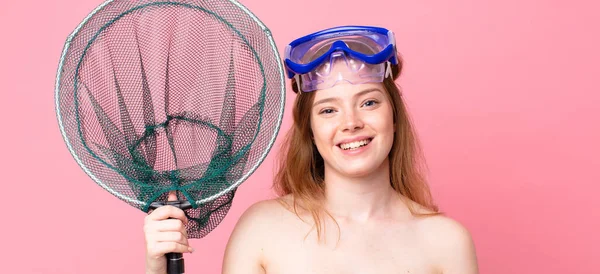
x: 355, y: 145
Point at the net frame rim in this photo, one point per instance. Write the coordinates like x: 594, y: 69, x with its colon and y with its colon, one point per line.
x: 233, y: 186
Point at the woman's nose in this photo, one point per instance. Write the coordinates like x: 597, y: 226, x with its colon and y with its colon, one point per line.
x: 351, y: 121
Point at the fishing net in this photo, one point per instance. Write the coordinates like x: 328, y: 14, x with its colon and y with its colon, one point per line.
x: 154, y: 97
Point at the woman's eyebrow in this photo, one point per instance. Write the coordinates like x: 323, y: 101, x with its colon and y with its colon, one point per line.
x: 368, y: 90
x: 333, y: 99
x: 322, y: 101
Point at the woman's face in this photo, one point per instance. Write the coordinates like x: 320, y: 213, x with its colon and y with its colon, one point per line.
x: 353, y: 128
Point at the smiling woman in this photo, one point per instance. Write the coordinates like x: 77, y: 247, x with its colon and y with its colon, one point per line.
x: 351, y: 161
x: 353, y: 129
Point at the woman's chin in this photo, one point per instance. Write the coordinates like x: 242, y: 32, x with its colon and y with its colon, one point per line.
x: 358, y: 170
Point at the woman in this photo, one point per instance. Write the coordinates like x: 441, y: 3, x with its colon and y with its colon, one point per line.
x: 352, y: 198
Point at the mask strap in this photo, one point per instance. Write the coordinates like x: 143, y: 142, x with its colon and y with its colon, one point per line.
x: 388, y: 69
x: 297, y: 77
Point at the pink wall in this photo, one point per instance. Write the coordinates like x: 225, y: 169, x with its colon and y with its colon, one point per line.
x: 504, y: 94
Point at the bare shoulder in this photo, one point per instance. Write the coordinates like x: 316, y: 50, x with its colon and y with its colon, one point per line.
x: 244, y: 250
x: 444, y: 231
x: 263, y: 211
x: 253, y: 222
x: 450, y: 243
x: 262, y: 217
x: 440, y: 229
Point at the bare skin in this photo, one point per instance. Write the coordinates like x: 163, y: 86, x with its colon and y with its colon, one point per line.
x: 270, y: 239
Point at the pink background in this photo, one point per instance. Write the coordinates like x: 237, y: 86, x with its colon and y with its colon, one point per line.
x: 505, y: 96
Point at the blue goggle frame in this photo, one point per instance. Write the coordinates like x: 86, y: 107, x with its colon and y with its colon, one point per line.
x: 388, y: 52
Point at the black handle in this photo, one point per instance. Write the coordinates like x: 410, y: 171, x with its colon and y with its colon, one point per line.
x: 175, y: 263
x: 180, y: 204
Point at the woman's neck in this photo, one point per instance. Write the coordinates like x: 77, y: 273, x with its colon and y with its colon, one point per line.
x: 362, y: 198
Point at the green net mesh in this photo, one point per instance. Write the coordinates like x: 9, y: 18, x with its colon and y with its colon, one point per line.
x: 174, y: 96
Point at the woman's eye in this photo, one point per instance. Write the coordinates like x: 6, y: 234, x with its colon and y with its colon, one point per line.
x: 326, y: 111
x: 370, y: 103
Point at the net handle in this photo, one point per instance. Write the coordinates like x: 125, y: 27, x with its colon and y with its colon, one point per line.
x: 175, y: 263
x: 183, y: 205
